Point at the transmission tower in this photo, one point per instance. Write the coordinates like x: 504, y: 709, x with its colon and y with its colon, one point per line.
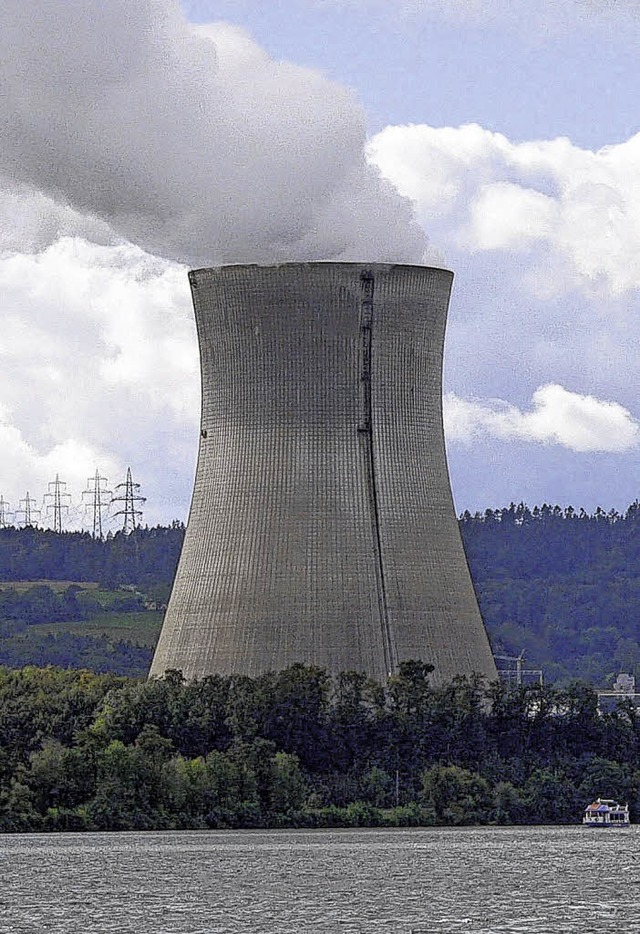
x: 515, y: 674
x: 5, y: 521
x: 28, y: 511
x: 131, y: 498
x: 58, y: 504
x: 99, y: 501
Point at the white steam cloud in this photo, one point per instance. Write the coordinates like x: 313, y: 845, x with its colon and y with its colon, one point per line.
x: 188, y: 141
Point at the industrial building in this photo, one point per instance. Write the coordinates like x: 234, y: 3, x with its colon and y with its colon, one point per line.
x: 322, y: 527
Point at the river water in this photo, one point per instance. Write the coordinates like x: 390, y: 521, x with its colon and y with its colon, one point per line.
x: 487, y: 880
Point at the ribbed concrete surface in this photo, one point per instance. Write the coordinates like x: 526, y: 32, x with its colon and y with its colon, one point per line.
x: 322, y: 528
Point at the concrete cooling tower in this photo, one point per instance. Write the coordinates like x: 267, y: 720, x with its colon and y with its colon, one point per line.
x: 322, y: 528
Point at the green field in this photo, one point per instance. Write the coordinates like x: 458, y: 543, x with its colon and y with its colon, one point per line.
x: 137, y: 628
x: 57, y: 586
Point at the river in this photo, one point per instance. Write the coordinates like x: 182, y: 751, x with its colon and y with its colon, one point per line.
x: 485, y: 880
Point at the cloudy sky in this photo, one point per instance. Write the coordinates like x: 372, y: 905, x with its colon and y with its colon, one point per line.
x: 494, y: 137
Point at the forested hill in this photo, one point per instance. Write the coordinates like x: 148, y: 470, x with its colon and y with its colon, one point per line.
x: 70, y: 600
x: 560, y: 584
x: 145, y: 557
x: 548, y: 541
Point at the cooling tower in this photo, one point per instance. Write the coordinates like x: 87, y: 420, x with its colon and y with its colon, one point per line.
x: 322, y: 528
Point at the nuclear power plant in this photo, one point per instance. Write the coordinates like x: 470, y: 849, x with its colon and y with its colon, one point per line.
x: 322, y: 527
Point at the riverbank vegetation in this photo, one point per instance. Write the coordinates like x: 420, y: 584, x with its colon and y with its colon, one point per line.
x: 82, y: 751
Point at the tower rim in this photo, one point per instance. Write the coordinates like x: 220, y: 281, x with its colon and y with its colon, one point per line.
x: 377, y: 266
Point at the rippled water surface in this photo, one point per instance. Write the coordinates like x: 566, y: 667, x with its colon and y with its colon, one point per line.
x: 525, y: 880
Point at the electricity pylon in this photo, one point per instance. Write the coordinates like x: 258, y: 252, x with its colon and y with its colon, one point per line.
x: 58, y: 495
x: 100, y: 500
x: 130, y: 497
x: 28, y: 511
x: 4, y: 513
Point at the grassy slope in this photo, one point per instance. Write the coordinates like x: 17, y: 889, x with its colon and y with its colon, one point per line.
x: 56, y: 586
x: 136, y: 628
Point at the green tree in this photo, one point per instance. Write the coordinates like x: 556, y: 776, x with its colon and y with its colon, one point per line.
x: 508, y: 805
x: 453, y: 795
x: 378, y: 787
x: 59, y: 777
x: 289, y: 790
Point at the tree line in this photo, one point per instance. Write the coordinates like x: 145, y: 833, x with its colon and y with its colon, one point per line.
x: 81, y: 751
x: 147, y: 557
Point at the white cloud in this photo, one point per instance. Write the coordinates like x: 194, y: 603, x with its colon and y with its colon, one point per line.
x: 99, y: 354
x: 93, y: 312
x: 188, y: 141
x: 557, y: 416
x: 576, y: 213
x: 29, y: 473
x: 509, y: 217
